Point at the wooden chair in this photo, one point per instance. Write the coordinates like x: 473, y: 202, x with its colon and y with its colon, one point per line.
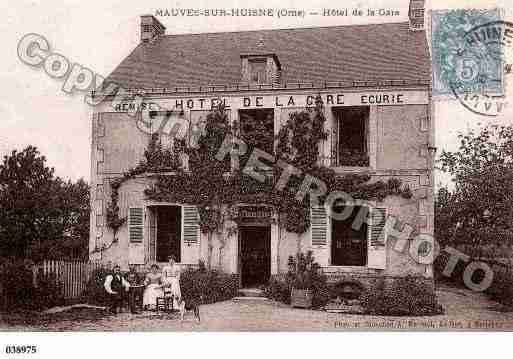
x: 165, y: 303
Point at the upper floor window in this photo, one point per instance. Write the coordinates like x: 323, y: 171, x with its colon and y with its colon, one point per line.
x: 257, y: 131
x: 418, y: 13
x: 350, y: 136
x: 257, y: 70
x: 260, y: 69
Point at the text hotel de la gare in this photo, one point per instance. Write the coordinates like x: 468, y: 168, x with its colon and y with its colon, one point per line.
x: 387, y: 98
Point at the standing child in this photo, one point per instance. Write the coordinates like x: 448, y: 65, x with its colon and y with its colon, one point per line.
x: 135, y: 291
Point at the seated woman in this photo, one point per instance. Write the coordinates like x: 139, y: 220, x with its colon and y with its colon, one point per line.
x: 171, y: 281
x: 153, y: 283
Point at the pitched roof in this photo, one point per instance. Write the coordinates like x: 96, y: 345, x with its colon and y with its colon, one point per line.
x: 377, y: 52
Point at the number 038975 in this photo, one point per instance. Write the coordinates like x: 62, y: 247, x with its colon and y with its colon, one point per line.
x: 20, y: 349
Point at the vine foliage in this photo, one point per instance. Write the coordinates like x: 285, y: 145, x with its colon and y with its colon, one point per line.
x: 216, y: 189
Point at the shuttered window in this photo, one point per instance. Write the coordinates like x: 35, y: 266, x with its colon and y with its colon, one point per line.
x: 377, y: 238
x: 319, y: 224
x: 135, y: 224
x: 378, y: 219
x: 190, y: 225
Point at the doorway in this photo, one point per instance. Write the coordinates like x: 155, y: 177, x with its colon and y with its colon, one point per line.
x: 169, y: 223
x: 254, y: 255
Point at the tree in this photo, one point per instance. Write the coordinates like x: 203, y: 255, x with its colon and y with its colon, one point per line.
x: 41, y: 215
x: 478, y: 214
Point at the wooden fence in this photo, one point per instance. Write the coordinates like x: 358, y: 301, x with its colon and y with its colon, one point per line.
x: 72, y: 275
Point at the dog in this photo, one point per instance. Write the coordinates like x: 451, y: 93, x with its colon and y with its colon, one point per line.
x: 189, y: 306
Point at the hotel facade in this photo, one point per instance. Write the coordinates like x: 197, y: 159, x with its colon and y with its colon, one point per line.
x: 375, y: 84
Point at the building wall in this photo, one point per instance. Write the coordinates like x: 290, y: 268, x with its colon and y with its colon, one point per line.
x: 399, y: 136
x: 402, y: 137
x: 399, y: 262
x: 117, y: 145
x: 130, y: 195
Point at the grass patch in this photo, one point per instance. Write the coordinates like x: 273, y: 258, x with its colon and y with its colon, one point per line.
x: 31, y: 318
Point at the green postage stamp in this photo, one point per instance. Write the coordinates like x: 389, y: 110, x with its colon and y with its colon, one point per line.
x: 466, y: 47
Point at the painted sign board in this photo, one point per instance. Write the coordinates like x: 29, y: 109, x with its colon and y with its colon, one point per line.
x: 368, y: 98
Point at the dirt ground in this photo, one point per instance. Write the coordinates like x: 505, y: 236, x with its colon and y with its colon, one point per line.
x: 464, y: 310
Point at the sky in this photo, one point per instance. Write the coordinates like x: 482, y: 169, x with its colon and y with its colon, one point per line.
x: 100, y: 34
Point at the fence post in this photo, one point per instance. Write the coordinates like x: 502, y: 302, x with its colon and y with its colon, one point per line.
x: 65, y: 279
x: 75, y: 278
x: 34, y: 276
x: 60, y: 278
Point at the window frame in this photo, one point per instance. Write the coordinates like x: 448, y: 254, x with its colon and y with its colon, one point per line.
x: 365, y: 238
x: 156, y: 219
x: 251, y: 70
x: 337, y: 112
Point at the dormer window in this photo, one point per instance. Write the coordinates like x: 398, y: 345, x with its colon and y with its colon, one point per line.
x: 260, y: 69
x: 257, y: 70
x: 416, y: 15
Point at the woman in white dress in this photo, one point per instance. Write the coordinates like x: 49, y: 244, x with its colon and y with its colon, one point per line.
x: 171, y: 280
x: 153, y: 282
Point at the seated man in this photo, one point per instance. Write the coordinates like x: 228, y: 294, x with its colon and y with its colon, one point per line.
x: 115, y: 285
x: 136, y: 288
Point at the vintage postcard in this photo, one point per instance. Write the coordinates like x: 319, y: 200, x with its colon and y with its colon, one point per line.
x: 237, y: 166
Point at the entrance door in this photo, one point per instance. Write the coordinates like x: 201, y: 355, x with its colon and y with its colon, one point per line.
x: 254, y: 255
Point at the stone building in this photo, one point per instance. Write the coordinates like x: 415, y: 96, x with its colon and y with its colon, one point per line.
x: 375, y: 83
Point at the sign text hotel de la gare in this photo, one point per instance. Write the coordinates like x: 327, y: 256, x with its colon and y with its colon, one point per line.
x: 284, y: 101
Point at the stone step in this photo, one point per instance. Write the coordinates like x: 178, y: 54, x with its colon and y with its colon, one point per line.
x: 246, y: 298
x: 347, y: 309
x: 251, y: 292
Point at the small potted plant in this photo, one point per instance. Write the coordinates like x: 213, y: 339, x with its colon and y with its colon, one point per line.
x: 302, y: 272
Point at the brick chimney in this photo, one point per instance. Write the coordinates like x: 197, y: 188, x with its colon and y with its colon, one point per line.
x: 151, y: 28
x: 416, y: 15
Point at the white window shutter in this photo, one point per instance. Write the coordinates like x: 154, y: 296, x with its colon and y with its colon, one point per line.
x: 190, y: 249
x: 377, y: 237
x: 136, y: 235
x: 190, y: 225
x: 319, y: 225
x: 135, y: 224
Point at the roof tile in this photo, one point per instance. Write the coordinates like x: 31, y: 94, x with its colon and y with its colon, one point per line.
x: 376, y: 52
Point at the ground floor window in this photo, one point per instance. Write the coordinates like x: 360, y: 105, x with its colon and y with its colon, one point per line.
x: 348, y: 245
x: 168, y: 236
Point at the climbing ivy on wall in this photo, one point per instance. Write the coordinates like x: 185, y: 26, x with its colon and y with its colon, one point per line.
x: 157, y: 159
x: 215, y: 189
x: 299, y: 138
